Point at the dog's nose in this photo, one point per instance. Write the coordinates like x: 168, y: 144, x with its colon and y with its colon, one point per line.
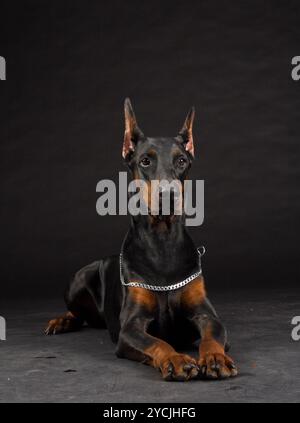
x: 166, y: 192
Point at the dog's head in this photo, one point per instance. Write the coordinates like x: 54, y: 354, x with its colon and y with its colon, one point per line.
x: 165, y: 160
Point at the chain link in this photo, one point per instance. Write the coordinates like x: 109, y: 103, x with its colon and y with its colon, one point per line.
x: 201, y: 251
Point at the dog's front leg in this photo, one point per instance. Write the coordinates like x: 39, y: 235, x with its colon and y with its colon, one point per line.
x: 135, y: 343
x: 214, y: 363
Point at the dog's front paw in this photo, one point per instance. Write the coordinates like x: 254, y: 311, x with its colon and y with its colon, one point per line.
x: 217, y: 366
x: 179, y: 367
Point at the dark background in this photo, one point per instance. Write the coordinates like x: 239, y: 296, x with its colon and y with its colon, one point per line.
x: 69, y: 67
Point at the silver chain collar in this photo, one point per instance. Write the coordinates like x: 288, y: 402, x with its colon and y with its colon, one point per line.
x: 201, y: 252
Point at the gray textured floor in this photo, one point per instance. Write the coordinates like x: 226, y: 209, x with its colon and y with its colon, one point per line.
x: 82, y: 367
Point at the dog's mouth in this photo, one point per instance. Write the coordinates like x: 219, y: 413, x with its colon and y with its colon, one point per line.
x: 162, y: 222
x: 162, y: 217
x: 164, y: 212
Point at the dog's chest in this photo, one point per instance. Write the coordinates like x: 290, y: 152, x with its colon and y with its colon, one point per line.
x: 167, y: 312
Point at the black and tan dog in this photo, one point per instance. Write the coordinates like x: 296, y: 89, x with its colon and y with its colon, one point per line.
x: 147, y: 324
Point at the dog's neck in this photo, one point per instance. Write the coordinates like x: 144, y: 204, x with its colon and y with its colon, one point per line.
x: 157, y: 248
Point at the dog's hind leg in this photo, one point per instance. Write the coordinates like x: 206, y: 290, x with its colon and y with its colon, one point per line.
x: 84, y: 300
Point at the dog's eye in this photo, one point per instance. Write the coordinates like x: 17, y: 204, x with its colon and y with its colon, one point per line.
x: 145, y: 162
x: 181, y: 161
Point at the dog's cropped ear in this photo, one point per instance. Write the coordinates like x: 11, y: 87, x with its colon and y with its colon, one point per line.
x: 132, y: 131
x: 186, y: 133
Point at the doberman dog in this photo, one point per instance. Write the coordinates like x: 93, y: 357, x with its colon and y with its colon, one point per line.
x: 148, y: 324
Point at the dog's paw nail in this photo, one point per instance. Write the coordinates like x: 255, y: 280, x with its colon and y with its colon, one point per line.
x: 170, y: 368
x: 234, y: 372
x: 188, y: 367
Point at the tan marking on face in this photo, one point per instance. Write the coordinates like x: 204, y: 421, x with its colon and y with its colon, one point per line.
x: 144, y: 188
x: 176, y: 152
x: 135, y: 174
x: 162, y: 226
x: 151, y: 153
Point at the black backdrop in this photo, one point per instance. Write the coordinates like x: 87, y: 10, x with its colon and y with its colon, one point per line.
x: 69, y: 67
